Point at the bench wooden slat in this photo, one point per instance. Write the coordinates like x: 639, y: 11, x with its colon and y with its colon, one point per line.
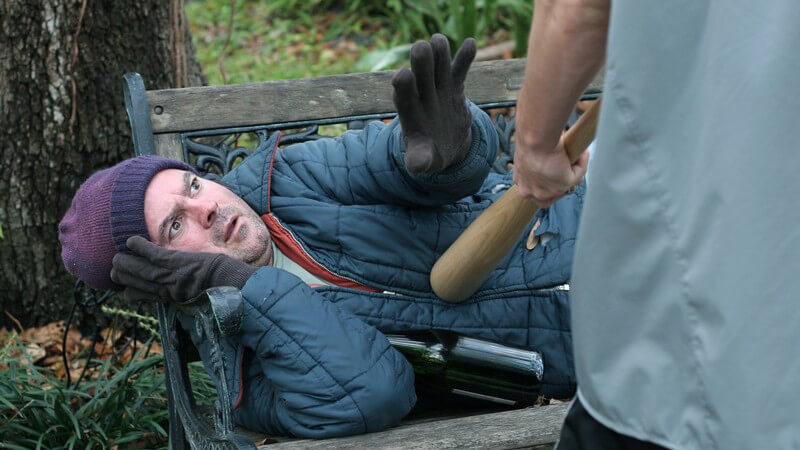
x: 209, y: 107
x: 168, y: 145
x: 531, y: 427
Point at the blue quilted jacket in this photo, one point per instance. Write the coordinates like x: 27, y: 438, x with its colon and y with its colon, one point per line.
x: 314, y: 362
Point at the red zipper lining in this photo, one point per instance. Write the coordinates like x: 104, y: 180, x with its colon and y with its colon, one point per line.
x: 287, y: 243
x: 241, y: 381
x: 269, y: 178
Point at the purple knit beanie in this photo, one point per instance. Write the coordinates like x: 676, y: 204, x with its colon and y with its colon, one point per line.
x: 108, y: 209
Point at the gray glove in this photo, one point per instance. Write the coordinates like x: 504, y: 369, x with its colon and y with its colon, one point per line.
x: 155, y: 272
x: 431, y: 105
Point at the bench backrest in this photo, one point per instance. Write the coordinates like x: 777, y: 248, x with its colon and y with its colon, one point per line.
x: 165, y: 121
x: 205, y: 127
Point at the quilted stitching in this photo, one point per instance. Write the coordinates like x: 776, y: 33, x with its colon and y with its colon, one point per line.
x: 327, y: 182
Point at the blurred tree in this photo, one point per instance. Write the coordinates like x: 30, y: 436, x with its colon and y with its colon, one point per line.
x: 62, y: 117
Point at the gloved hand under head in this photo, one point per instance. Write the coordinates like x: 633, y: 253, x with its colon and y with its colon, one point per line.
x: 153, y: 272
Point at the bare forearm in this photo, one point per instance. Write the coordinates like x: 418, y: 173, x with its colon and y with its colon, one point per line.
x: 566, y: 48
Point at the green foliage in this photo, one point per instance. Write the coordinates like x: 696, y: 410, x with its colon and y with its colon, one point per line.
x: 383, y: 59
x: 286, y: 39
x: 119, y: 407
x: 418, y: 19
x: 149, y: 323
x: 456, y: 19
x: 282, y: 39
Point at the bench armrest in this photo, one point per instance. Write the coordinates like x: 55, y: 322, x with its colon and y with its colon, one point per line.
x: 217, y: 312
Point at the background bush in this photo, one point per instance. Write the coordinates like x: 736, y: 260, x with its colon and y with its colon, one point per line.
x: 248, y: 40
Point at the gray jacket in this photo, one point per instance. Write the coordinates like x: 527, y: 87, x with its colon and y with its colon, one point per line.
x: 685, y: 282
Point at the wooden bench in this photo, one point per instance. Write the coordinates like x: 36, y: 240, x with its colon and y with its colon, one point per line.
x: 210, y: 127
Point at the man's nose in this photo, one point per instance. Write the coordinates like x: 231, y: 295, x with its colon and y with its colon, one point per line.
x: 203, y: 211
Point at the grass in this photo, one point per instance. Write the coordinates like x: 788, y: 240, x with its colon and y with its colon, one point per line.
x: 241, y: 41
x: 267, y: 44
x: 123, y: 406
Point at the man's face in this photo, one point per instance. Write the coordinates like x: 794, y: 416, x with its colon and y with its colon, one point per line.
x: 188, y: 213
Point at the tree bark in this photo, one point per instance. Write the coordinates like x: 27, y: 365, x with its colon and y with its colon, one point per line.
x: 62, y: 117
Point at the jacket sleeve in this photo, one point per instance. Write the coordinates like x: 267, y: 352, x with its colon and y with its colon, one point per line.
x: 367, y: 167
x: 315, y: 370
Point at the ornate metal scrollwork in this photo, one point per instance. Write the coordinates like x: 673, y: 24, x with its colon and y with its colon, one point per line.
x: 505, y: 129
x: 215, y: 160
x: 215, y: 152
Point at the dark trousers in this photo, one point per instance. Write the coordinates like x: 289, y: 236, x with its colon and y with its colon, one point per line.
x: 581, y: 431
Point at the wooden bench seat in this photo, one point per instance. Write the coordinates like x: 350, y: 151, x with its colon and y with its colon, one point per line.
x: 535, y: 427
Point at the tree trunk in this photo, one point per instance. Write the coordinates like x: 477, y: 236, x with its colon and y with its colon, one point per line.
x: 62, y: 117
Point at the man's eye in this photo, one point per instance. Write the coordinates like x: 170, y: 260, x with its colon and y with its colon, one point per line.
x: 174, y: 228
x: 195, y: 186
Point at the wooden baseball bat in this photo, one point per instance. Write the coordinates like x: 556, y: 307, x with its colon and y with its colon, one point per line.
x: 461, y: 270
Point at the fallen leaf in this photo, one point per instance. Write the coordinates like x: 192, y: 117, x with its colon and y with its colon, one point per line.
x: 34, y: 352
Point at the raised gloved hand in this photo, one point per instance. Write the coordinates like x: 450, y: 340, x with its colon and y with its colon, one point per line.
x: 155, y: 272
x: 431, y: 105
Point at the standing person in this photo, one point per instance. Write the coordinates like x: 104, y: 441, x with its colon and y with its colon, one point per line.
x: 684, y: 280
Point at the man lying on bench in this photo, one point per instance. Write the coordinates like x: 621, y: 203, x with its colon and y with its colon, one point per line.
x: 331, y: 243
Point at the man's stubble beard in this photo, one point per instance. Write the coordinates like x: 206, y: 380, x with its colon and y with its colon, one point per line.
x: 249, y: 252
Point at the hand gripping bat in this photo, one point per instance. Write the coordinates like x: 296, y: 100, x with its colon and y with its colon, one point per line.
x: 461, y: 270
